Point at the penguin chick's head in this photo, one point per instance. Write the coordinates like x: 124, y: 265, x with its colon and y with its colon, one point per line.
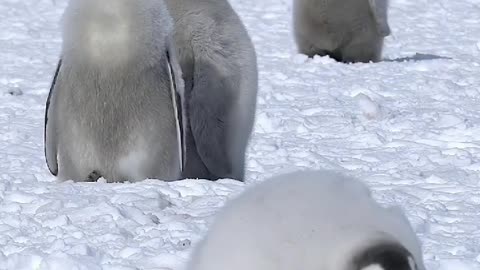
x: 384, y: 256
x: 116, y: 30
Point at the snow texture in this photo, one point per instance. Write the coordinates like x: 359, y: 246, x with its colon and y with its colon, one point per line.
x: 408, y: 125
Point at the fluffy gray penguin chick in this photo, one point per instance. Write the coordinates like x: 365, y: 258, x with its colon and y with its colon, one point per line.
x: 112, y: 108
x: 219, y: 69
x: 346, y: 30
x: 308, y: 220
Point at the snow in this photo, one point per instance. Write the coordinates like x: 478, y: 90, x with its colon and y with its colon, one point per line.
x: 409, y: 126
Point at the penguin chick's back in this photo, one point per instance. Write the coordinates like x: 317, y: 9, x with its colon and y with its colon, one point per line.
x: 303, y: 220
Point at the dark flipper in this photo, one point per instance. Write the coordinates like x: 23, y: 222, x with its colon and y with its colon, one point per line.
x: 210, y: 103
x: 50, y: 132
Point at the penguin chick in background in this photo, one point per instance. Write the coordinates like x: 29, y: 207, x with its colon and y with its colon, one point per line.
x: 346, y: 30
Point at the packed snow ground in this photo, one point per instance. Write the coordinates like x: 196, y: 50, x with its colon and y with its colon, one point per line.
x: 408, y: 126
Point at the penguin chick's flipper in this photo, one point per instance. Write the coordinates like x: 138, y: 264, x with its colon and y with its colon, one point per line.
x: 379, y: 12
x: 176, y: 87
x: 50, y: 130
x: 388, y: 256
x: 210, y: 103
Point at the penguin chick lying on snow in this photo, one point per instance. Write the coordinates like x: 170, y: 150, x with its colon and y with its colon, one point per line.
x: 317, y: 220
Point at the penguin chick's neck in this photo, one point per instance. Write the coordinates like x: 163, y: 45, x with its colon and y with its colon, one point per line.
x: 103, y: 32
x: 108, y: 37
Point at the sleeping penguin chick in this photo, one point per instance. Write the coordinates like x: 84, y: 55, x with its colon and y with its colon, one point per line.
x: 317, y: 220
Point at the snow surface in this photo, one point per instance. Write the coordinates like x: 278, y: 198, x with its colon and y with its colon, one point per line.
x: 409, y: 126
